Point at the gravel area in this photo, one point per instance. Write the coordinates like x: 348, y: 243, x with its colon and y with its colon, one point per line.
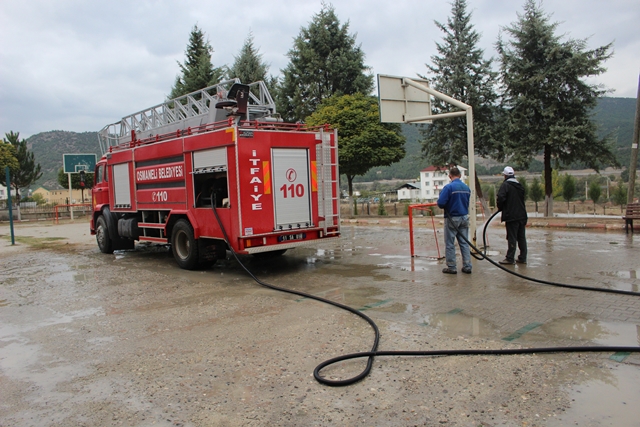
x: 88, y: 339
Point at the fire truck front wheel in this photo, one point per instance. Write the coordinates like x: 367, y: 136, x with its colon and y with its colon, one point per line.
x: 102, y: 236
x: 184, y: 246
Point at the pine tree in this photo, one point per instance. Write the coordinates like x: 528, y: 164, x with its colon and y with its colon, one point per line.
x: 568, y: 188
x: 536, y: 193
x: 324, y: 61
x: 28, y: 170
x: 461, y: 72
x: 248, y: 66
x: 547, y: 103
x: 197, y: 71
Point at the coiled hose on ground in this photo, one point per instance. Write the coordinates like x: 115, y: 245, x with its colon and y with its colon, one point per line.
x: 370, y: 355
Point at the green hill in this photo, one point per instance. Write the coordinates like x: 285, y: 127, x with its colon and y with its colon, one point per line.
x: 48, y: 148
x: 614, y: 117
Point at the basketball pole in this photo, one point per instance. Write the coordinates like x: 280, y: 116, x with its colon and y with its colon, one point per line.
x: 468, y: 112
x: 634, y: 150
x: 70, y: 195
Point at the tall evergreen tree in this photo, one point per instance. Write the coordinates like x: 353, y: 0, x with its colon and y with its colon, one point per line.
x: 568, y: 188
x: 536, y: 193
x: 547, y: 102
x: 324, y: 61
x: 197, y: 71
x: 460, y: 71
x: 248, y: 66
x: 28, y: 170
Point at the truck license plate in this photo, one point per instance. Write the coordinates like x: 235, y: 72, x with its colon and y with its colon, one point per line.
x: 288, y: 237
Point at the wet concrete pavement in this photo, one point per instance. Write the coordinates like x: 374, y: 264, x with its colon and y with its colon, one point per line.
x: 129, y: 339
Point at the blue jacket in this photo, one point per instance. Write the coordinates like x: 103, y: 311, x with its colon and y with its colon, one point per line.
x: 454, y: 198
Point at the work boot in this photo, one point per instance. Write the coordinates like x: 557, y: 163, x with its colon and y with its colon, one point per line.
x: 508, y: 262
x: 521, y: 261
x: 466, y: 270
x: 450, y: 270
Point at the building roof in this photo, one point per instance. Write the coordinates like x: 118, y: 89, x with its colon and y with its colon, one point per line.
x: 440, y: 168
x: 410, y: 186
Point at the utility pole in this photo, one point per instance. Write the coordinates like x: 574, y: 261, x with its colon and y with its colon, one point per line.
x: 634, y: 149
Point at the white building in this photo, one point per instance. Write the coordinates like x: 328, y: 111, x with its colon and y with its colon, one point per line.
x: 4, y: 194
x: 432, y: 180
x: 409, y: 191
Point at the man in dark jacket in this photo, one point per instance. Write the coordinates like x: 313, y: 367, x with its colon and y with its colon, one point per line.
x: 454, y: 199
x: 514, y: 215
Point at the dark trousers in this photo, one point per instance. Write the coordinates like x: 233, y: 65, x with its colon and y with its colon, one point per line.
x: 516, y: 237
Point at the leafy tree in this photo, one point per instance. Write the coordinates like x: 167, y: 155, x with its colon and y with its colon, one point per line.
x: 556, y: 183
x: 7, y: 158
x: 324, y: 61
x: 595, y: 191
x: 382, y: 211
x: 364, y: 141
x: 39, y: 199
x: 460, y: 71
x: 536, y: 193
x: 619, y: 196
x: 197, y: 71
x: 568, y: 188
x: 548, y: 104
x: 248, y: 66
x: 28, y: 170
x: 76, y: 184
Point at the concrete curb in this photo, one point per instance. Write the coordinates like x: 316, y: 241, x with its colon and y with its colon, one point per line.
x: 533, y: 224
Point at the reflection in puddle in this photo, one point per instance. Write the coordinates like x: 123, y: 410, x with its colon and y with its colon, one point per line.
x: 631, y: 274
x: 602, y: 333
x: 455, y: 323
x: 604, y: 400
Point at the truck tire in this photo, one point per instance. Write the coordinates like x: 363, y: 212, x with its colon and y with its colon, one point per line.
x: 184, y: 246
x: 102, y: 236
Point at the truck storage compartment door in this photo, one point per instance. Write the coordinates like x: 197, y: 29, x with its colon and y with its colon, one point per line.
x: 292, y: 202
x: 121, y: 186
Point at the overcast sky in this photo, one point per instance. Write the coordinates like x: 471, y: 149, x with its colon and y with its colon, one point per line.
x: 79, y: 65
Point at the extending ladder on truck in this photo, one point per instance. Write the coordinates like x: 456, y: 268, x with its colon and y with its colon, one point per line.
x: 190, y: 111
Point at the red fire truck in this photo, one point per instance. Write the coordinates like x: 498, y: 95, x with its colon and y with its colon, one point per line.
x: 217, y: 160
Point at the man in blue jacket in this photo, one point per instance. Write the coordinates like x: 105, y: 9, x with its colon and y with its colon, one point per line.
x: 454, y: 199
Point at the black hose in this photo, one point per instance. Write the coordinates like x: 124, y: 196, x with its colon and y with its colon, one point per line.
x: 370, y: 355
x: 316, y: 372
x: 482, y: 256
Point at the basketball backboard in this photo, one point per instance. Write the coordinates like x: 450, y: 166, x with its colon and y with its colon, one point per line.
x: 74, y: 163
x: 399, y: 102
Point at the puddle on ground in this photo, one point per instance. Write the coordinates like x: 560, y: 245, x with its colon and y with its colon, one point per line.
x: 597, y: 332
x: 362, y: 298
x: 631, y: 274
x: 610, y: 400
x: 455, y: 324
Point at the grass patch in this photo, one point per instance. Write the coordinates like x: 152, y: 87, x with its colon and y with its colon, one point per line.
x: 37, y: 242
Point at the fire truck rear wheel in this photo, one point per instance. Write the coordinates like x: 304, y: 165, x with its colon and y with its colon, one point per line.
x: 102, y: 236
x: 184, y: 246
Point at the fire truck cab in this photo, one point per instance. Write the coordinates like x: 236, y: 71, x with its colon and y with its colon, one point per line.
x: 215, y: 170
